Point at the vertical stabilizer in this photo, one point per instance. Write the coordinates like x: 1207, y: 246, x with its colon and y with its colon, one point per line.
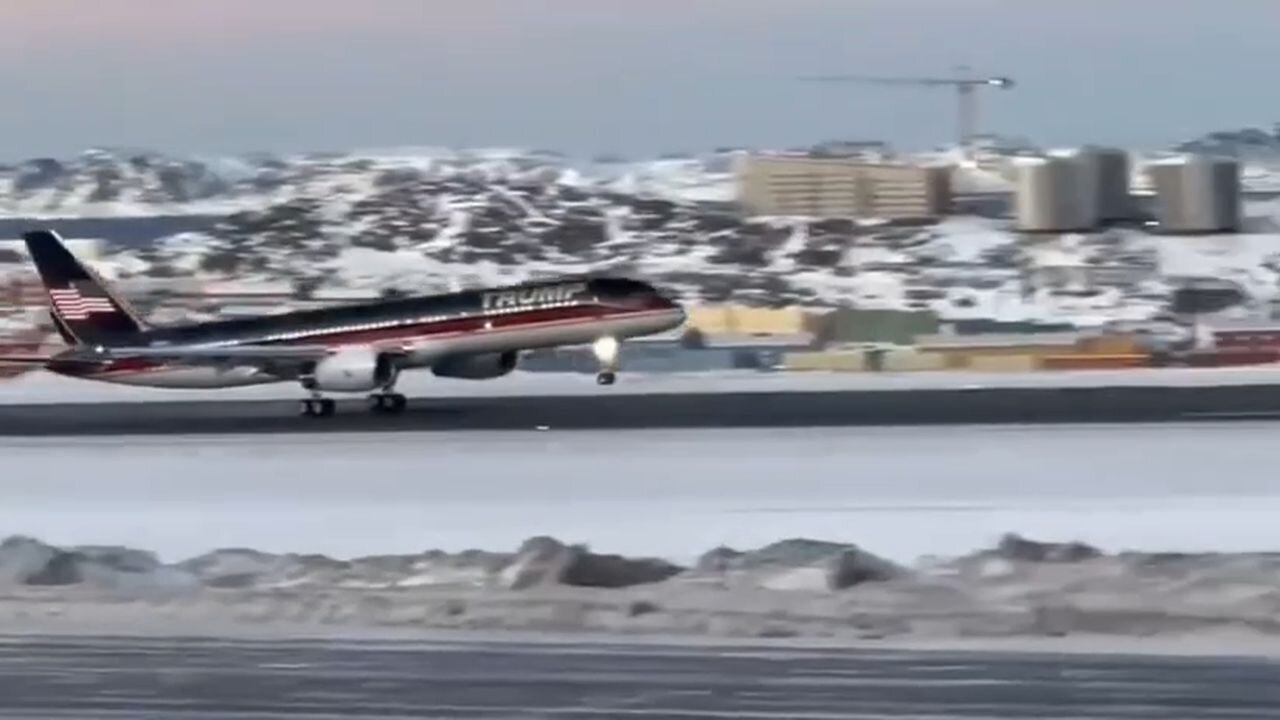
x: 83, y: 306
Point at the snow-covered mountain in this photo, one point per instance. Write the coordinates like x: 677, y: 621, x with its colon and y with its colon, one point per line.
x: 113, y: 183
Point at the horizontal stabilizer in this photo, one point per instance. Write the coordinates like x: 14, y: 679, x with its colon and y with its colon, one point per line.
x: 19, y: 359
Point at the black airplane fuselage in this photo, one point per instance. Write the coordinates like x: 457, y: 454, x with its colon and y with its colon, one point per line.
x: 420, y: 330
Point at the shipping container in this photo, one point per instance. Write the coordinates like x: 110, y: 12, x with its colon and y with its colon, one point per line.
x: 1004, y: 362
x: 910, y: 360
x: 1095, y: 362
x: 1111, y: 345
x: 1230, y: 358
x: 990, y: 345
x: 1242, y: 339
x: 826, y: 361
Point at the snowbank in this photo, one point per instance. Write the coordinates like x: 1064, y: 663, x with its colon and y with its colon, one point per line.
x: 794, y: 588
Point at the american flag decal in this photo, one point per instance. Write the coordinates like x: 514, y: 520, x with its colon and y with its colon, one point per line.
x: 72, y: 304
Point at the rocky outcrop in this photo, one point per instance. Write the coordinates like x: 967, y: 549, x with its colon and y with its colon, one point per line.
x: 1019, y: 549
x: 27, y: 561
x: 790, y: 588
x: 547, y: 561
x: 800, y: 564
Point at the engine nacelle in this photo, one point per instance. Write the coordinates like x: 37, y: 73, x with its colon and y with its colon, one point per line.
x: 475, y: 367
x: 350, y: 370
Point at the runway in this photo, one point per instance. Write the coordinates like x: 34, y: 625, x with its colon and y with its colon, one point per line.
x: 192, y: 678
x: 605, y: 410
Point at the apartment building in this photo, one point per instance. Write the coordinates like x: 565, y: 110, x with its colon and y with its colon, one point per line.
x: 842, y: 188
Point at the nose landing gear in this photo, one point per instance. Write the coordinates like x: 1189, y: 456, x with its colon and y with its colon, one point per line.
x: 606, y: 350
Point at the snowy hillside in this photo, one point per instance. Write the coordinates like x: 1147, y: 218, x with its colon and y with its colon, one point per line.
x: 429, y: 219
x: 113, y: 183
x: 102, y: 183
x: 416, y: 234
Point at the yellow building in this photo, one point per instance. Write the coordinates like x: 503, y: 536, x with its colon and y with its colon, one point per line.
x: 737, y: 320
x: 825, y: 361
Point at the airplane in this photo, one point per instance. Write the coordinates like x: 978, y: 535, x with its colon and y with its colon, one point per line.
x: 359, y: 348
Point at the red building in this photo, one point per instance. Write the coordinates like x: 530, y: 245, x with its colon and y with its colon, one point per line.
x: 1247, y: 338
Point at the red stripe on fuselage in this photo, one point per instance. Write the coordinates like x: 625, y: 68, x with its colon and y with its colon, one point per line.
x: 456, y: 326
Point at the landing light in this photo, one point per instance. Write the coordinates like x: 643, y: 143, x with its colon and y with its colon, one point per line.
x: 605, y: 348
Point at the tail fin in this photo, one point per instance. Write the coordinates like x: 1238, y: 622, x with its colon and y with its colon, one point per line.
x: 84, y: 308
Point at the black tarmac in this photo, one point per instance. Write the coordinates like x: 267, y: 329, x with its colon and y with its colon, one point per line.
x: 193, y: 678
x: 661, y: 410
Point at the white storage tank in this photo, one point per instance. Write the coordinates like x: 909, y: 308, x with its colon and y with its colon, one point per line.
x: 1111, y: 173
x: 1055, y: 193
x: 1197, y: 194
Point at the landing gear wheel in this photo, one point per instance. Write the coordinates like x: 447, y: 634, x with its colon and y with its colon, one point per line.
x: 387, y: 403
x: 318, y: 407
x: 606, y: 377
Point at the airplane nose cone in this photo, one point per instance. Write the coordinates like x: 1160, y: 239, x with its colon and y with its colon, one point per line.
x: 678, y: 314
x: 675, y: 311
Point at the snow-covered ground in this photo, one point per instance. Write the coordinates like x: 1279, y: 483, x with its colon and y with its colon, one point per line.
x: 871, y: 502
x: 901, y: 493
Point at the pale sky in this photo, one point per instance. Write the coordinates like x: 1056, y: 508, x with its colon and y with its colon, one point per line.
x: 637, y: 78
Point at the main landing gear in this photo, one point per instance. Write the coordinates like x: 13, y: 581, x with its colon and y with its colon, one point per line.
x: 380, y: 403
x: 317, y: 407
x: 606, y: 350
x: 387, y: 403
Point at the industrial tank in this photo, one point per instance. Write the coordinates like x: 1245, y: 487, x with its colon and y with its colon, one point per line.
x: 1110, y: 170
x: 1197, y: 194
x: 1055, y: 193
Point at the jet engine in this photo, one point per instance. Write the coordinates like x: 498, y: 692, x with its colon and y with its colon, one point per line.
x: 475, y: 367
x: 350, y: 370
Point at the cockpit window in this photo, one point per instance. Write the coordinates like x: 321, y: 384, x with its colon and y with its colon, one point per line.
x: 627, y: 293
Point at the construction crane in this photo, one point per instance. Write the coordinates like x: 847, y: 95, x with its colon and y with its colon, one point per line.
x: 965, y: 83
